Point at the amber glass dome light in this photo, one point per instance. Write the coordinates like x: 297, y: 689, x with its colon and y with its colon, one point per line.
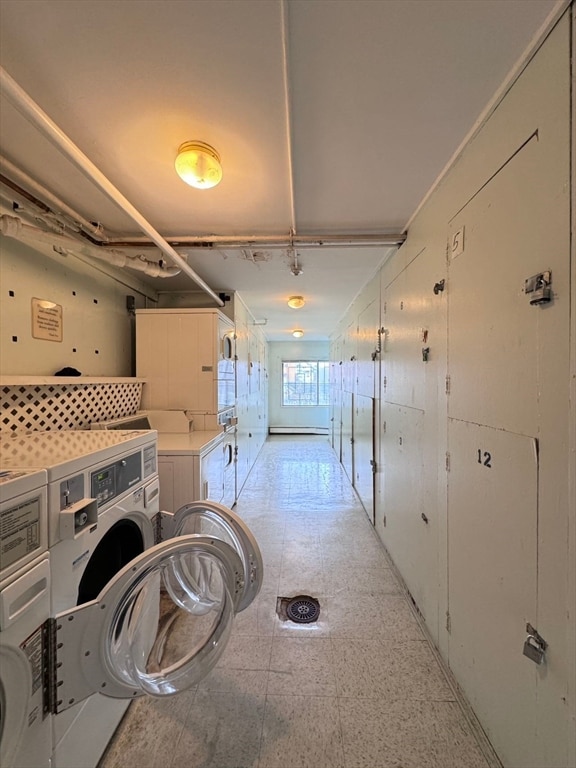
x: 198, y: 164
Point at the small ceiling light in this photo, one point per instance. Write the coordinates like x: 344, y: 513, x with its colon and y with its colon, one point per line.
x: 198, y: 164
x: 297, y: 333
x: 296, y: 302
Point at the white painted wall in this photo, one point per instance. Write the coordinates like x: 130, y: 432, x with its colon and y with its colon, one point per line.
x: 292, y: 417
x: 97, y: 331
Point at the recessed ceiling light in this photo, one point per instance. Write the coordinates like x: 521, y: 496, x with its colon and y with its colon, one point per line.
x: 296, y: 302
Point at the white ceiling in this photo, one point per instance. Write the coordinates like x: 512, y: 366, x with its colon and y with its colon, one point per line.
x: 331, y: 117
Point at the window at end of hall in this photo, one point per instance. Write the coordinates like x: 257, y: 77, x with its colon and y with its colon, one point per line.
x: 305, y: 382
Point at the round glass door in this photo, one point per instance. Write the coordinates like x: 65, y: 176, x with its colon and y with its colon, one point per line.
x: 208, y: 518
x: 159, y: 626
x: 15, y: 683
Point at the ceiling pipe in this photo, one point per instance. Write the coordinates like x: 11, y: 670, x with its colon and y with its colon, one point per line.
x: 288, y: 109
x: 13, y: 226
x: 273, y: 241
x: 343, y: 240
x: 27, y: 107
x: 58, y: 206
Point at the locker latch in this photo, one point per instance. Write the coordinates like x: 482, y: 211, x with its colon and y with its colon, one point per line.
x: 538, y: 288
x: 534, y: 645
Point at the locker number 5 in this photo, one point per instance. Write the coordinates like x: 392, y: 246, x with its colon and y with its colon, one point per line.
x: 484, y: 458
x: 457, y: 244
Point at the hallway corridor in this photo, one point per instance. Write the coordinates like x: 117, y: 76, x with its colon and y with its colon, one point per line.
x: 359, y: 689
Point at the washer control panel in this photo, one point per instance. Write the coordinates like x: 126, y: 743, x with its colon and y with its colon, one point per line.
x: 106, y: 483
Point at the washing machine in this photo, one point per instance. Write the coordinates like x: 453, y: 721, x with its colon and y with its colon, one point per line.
x: 25, y: 719
x: 143, y: 600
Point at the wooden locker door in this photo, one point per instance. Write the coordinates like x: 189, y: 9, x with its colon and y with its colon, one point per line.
x: 492, y: 556
x: 507, y: 385
x: 368, y: 323
x: 411, y: 528
x: 347, y: 435
x: 363, y: 424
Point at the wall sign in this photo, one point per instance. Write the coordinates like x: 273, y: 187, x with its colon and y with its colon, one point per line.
x: 46, y: 320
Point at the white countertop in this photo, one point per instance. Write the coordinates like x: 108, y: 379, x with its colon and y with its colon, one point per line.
x: 194, y: 443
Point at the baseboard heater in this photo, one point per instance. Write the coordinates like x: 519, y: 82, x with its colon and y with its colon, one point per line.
x: 299, y: 430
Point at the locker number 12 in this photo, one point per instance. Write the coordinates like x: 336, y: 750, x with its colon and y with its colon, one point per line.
x: 484, y: 458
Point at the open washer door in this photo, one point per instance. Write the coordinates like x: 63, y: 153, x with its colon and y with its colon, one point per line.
x: 158, y: 627
x: 209, y: 518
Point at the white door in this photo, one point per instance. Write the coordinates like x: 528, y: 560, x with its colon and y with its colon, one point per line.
x: 161, y: 624
x: 507, y: 400
x: 363, y: 449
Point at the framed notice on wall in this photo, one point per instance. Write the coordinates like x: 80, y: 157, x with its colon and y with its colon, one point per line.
x: 46, y: 320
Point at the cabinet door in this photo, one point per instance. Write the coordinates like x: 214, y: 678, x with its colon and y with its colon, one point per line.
x: 212, y: 474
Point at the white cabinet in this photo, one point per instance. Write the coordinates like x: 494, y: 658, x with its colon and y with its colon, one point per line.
x: 187, y: 357
x: 195, y: 466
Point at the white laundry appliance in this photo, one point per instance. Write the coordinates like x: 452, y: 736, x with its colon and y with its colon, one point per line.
x: 131, y: 615
x: 192, y: 464
x: 25, y: 719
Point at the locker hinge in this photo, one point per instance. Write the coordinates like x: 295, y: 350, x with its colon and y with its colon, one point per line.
x: 235, y: 450
x: 383, y: 427
x: 49, y: 666
x: 384, y: 383
x: 448, y: 384
x: 374, y: 466
x: 447, y: 461
x: 448, y: 623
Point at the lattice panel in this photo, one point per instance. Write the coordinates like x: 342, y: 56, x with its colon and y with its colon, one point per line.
x: 66, y: 406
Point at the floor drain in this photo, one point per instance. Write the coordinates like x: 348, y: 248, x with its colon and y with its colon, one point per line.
x: 303, y: 609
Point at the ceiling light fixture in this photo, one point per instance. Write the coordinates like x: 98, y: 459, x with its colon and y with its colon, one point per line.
x: 296, y: 302
x: 198, y: 164
x: 297, y: 333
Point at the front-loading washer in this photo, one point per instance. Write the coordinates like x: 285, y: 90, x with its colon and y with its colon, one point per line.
x: 25, y: 719
x: 131, y: 616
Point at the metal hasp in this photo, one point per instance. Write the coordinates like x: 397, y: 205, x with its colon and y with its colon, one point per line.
x: 534, y: 645
x: 538, y: 288
x: 439, y: 286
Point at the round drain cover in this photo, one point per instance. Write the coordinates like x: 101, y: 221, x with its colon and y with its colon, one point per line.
x: 303, y: 609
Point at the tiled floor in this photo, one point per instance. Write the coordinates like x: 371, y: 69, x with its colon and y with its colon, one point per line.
x: 359, y: 689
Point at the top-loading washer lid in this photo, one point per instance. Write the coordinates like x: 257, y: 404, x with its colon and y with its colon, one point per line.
x: 158, y: 627
x: 208, y: 518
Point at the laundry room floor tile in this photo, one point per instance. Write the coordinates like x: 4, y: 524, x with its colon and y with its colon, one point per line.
x: 136, y: 745
x: 301, y: 732
x: 410, y: 734
x: 223, y: 730
x: 301, y: 667
x: 358, y: 688
x: 375, y: 669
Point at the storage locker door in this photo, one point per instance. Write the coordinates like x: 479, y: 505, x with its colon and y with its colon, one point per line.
x: 347, y: 420
x: 411, y: 523
x: 364, y: 452
x: 492, y: 552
